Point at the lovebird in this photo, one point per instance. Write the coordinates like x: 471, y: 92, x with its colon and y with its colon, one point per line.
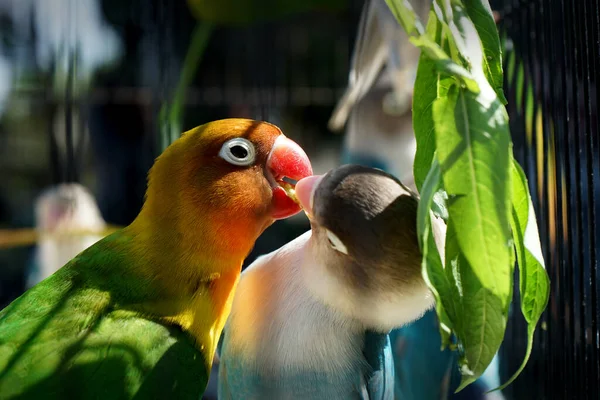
x: 139, y: 313
x: 63, y: 214
x: 310, y: 320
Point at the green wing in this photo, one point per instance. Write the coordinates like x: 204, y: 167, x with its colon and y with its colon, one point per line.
x: 66, y: 339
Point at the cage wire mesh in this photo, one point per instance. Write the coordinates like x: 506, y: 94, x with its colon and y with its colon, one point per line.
x: 551, y: 70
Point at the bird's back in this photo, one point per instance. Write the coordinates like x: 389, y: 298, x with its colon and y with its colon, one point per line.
x: 69, y: 337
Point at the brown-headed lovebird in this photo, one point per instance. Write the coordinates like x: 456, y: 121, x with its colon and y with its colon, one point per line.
x: 139, y: 313
x: 310, y: 320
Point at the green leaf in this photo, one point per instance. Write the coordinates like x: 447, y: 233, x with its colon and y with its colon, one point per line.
x: 430, y: 84
x: 444, y: 63
x: 432, y: 265
x: 534, y: 282
x: 480, y: 13
x: 433, y: 274
x: 460, y: 121
x: 466, y: 39
x: 430, y: 187
x: 435, y: 73
x: 426, y: 86
x: 406, y: 16
x: 441, y: 10
x: 474, y: 151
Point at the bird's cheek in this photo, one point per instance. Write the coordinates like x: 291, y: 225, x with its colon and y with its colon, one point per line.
x: 283, y: 205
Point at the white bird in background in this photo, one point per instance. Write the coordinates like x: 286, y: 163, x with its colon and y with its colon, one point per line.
x: 68, y: 221
x: 376, y: 107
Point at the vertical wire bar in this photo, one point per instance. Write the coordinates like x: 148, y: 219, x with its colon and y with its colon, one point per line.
x: 583, y: 214
x: 582, y: 132
x: 80, y: 147
x: 556, y: 67
x: 53, y: 147
x: 583, y: 139
x: 569, y: 274
x: 594, y: 14
x: 566, y: 274
x: 591, y: 144
x: 537, y: 177
x: 70, y: 167
x: 534, y: 158
x: 584, y: 191
x: 564, y: 284
x: 546, y: 338
x: 576, y: 207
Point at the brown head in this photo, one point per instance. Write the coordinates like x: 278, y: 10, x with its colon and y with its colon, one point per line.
x: 364, y: 238
x: 219, y: 186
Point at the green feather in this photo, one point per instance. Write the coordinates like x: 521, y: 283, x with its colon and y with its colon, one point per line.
x: 75, y: 335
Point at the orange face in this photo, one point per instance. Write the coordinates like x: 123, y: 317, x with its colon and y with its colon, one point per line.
x: 229, y: 173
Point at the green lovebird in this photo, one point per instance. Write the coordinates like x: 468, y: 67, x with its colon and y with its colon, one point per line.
x: 139, y: 313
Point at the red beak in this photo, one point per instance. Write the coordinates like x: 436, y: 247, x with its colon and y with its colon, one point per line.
x: 287, y: 160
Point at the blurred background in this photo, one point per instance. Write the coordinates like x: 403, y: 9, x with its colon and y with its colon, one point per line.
x: 91, y: 91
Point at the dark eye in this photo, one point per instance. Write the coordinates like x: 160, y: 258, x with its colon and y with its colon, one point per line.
x: 238, y: 151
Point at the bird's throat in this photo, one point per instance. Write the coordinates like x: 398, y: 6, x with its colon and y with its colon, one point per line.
x: 195, y: 288
x: 205, y: 315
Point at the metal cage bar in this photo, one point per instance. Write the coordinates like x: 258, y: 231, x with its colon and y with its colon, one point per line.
x: 552, y: 64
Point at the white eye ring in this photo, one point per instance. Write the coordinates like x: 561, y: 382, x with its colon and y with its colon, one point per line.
x: 238, y: 151
x: 335, y: 242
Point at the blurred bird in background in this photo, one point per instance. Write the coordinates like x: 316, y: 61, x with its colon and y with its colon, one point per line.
x: 376, y: 110
x: 68, y: 221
